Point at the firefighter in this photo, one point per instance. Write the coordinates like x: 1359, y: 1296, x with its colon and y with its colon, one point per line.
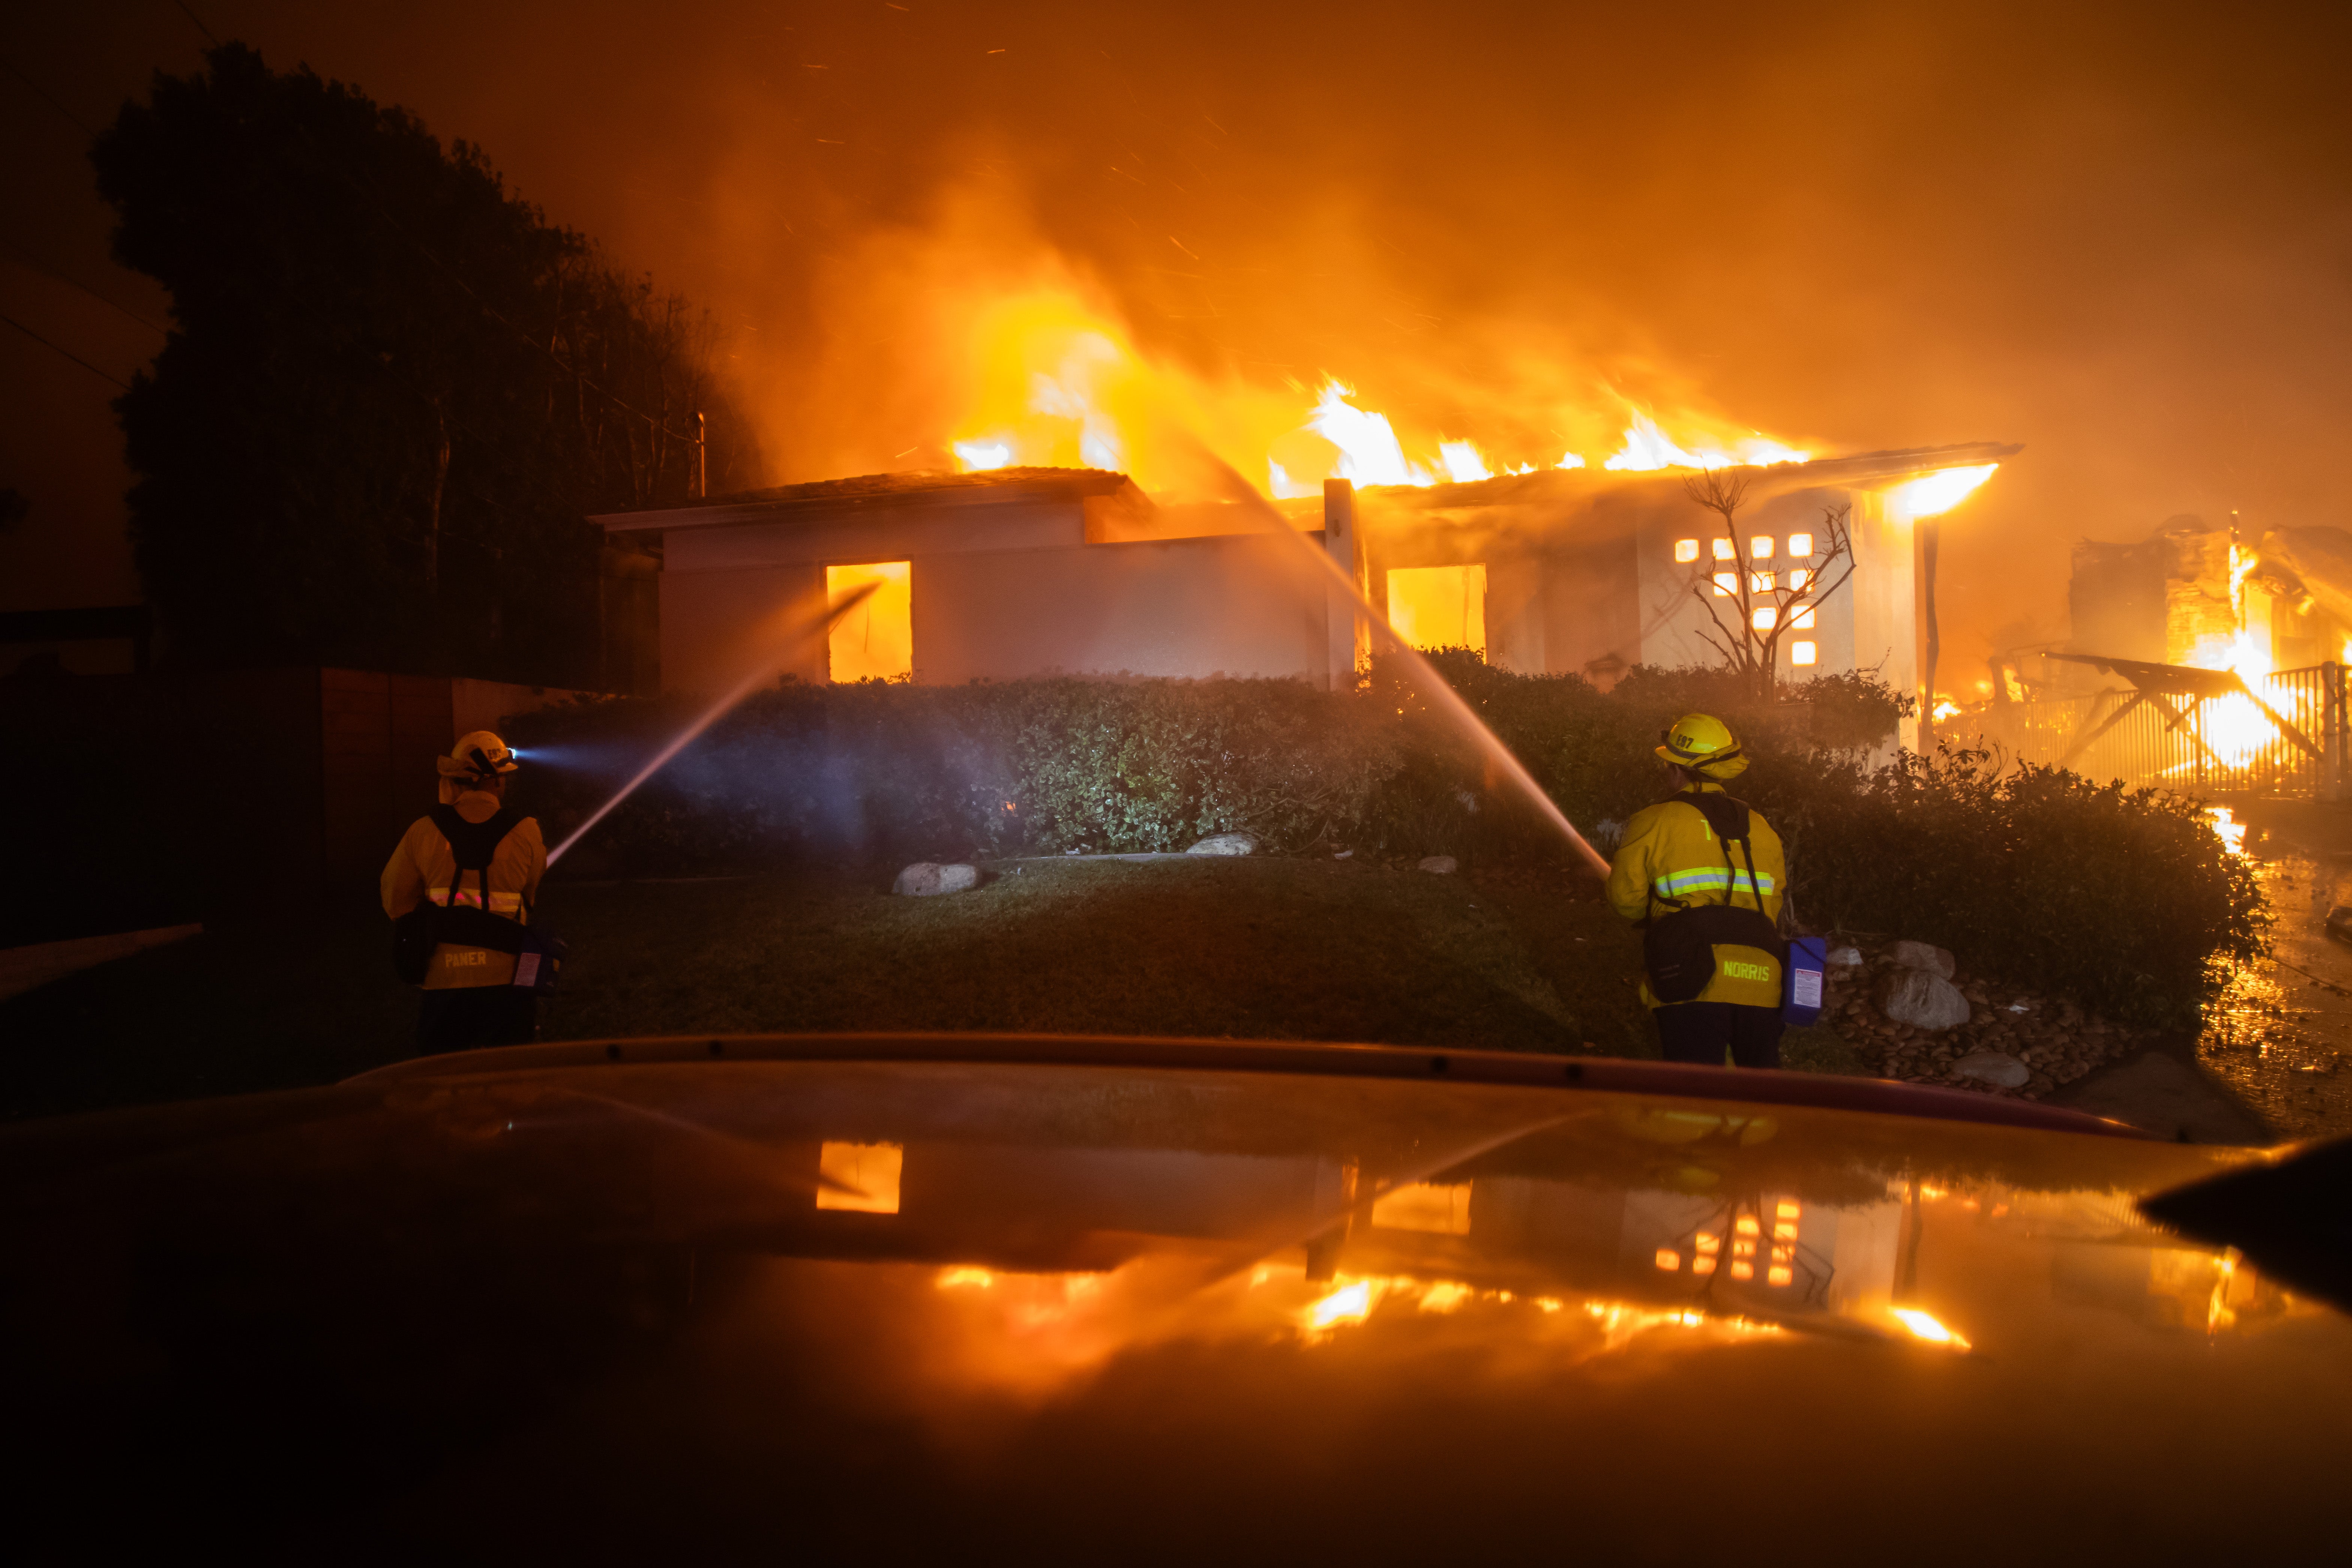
x: 460, y: 888
x: 1704, y: 878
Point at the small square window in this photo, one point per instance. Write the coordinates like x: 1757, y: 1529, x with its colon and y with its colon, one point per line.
x: 1685, y: 550
x: 1804, y: 653
x: 1798, y: 577
x: 1762, y: 617
x: 1668, y: 1258
x: 1760, y: 547
x: 1725, y: 581
x: 1803, y: 619
x: 1760, y: 582
x: 1723, y: 550
x: 1801, y: 545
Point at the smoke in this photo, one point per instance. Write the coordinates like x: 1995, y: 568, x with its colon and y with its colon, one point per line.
x: 2117, y: 238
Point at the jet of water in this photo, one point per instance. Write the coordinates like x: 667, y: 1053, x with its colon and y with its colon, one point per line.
x: 762, y: 670
x: 1432, y: 684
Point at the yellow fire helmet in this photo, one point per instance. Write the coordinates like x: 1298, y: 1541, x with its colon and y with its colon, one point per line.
x: 478, y: 755
x: 1705, y: 744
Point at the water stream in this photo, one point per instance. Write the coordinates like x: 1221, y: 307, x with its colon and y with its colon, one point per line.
x: 1433, y: 685
x: 763, y: 670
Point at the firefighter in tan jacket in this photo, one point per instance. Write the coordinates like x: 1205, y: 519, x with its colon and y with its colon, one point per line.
x: 1704, y: 878
x: 471, y: 862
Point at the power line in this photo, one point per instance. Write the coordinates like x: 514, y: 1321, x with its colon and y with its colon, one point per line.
x: 43, y: 93
x: 67, y: 353
x: 51, y: 273
x: 199, y: 21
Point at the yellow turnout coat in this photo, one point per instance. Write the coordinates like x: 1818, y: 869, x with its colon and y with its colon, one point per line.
x: 1671, y: 858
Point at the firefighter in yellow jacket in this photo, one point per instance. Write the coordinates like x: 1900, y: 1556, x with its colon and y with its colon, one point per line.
x: 1705, y: 877
x: 459, y: 887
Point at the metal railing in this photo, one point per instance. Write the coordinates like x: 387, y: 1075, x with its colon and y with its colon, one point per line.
x: 2284, y: 736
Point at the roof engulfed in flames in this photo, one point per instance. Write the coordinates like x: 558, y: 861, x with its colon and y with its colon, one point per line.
x: 1055, y: 384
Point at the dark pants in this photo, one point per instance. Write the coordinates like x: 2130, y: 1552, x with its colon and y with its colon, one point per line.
x: 1698, y: 1032
x: 471, y: 1016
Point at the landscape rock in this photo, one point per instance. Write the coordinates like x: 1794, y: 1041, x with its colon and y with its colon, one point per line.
x: 1922, y: 1000
x: 1439, y: 865
x: 926, y: 878
x: 1844, y: 958
x: 1226, y: 844
x: 1924, y: 956
x: 1994, y: 1068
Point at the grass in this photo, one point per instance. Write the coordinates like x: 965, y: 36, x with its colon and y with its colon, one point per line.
x: 1258, y: 948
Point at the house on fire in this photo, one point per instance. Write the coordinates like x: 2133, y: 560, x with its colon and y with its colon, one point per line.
x: 1021, y: 572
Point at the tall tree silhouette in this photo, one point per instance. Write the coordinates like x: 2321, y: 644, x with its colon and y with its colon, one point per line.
x: 392, y: 391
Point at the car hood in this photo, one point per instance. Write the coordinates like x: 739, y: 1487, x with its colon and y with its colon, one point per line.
x: 1154, y: 1300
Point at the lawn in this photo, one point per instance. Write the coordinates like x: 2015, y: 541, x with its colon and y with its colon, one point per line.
x: 1255, y: 948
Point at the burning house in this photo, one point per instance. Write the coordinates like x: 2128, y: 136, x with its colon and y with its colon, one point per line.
x: 2202, y: 656
x: 1016, y: 572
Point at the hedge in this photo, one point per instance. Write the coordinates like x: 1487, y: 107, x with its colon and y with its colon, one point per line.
x: 2123, y: 899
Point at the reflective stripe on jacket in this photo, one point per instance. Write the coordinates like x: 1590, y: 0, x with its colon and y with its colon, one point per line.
x: 424, y: 867
x: 1672, y: 857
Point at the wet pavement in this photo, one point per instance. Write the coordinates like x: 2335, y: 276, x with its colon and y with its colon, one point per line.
x: 2279, y: 1039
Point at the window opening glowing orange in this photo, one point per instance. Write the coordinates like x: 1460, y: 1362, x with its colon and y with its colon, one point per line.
x: 876, y: 640
x: 860, y: 1177
x: 1440, y: 1208
x: 1439, y: 606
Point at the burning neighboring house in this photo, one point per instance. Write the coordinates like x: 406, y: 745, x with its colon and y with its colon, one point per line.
x: 2202, y: 657
x: 2199, y: 596
x: 1018, y: 572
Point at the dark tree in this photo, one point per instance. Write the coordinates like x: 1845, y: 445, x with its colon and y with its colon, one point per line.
x: 392, y: 393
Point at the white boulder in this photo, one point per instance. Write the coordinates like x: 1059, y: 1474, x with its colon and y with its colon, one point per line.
x: 1922, y: 955
x: 927, y: 878
x: 1843, y: 958
x: 1922, y: 1000
x: 1439, y: 865
x: 1226, y: 844
x: 1994, y: 1068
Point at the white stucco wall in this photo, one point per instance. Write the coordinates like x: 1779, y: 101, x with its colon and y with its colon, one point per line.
x: 1886, y: 590
x: 1002, y: 592
x: 1235, y: 606
x: 1673, y: 620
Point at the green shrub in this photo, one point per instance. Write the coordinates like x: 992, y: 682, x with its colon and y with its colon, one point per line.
x: 876, y: 771
x: 2123, y: 900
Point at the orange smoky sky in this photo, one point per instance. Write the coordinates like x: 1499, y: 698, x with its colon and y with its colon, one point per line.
x: 2117, y: 235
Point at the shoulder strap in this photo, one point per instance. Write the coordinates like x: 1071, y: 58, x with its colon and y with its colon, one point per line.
x: 475, y: 845
x: 1729, y: 819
